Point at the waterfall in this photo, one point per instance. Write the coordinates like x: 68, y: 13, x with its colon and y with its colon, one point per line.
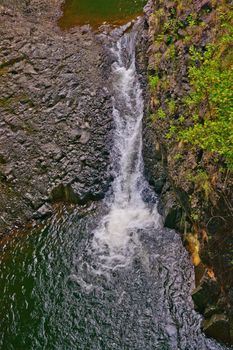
x: 116, y: 238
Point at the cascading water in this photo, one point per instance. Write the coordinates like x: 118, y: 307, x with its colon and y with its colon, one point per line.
x: 125, y: 284
x: 117, y: 235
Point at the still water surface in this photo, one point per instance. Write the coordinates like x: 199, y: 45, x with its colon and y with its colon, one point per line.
x: 97, y: 12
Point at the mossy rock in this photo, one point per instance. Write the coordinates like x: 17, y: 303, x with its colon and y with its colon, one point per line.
x: 206, y: 294
x: 218, y: 327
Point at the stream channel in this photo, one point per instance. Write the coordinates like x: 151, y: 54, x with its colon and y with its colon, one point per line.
x: 109, y: 276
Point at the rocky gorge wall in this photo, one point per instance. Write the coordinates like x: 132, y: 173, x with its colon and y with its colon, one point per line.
x: 195, y: 185
x: 55, y: 113
x: 55, y: 132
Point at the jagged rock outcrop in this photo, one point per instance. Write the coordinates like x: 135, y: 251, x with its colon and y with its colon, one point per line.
x: 55, y: 113
x: 195, y: 189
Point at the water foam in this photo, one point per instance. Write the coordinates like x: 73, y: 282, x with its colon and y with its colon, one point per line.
x: 117, y: 236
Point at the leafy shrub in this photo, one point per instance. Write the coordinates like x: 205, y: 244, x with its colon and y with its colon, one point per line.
x: 212, y: 87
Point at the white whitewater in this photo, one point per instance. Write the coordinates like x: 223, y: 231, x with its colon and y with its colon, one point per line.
x: 116, y: 238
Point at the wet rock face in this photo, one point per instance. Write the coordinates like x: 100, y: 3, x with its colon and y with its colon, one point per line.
x: 169, y: 163
x: 55, y: 113
x: 207, y: 298
x: 218, y: 327
x: 206, y: 295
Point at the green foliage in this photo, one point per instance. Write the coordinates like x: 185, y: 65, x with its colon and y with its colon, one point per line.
x: 178, y: 156
x: 171, y: 106
x: 171, y: 52
x: 181, y: 119
x: 195, y: 216
x: 201, y: 180
x: 211, y: 87
x: 206, y: 121
x: 161, y: 114
x: 191, y: 20
x: 172, y: 131
x: 153, y: 81
x: 170, y: 29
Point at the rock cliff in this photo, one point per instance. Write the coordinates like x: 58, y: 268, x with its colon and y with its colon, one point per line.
x: 195, y: 185
x: 55, y: 113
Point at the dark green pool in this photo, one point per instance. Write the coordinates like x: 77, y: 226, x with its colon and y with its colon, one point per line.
x: 97, y: 12
x: 52, y: 297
